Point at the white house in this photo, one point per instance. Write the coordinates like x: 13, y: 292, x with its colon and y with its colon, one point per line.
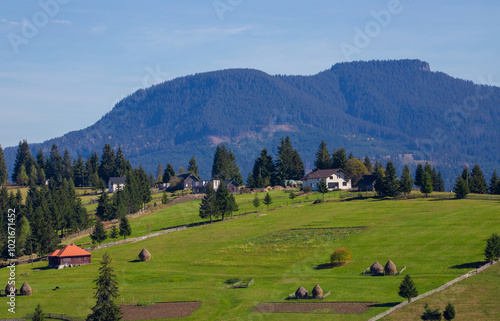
x: 335, y: 179
x: 116, y: 184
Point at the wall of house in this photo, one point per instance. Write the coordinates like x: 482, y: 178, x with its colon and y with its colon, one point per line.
x: 336, y: 181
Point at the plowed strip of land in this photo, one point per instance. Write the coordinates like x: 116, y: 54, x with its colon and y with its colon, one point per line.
x: 316, y: 307
x: 164, y: 310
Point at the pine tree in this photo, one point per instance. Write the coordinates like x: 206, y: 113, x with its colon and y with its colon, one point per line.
x: 323, y: 159
x: 478, y: 183
x: 22, y: 178
x: 323, y: 188
x: 292, y: 196
x: 159, y: 173
x: 79, y: 171
x: 256, y: 202
x: 449, y: 312
x: 439, y: 187
x: 54, y: 164
x: 426, y: 184
x: 418, y: 175
x: 289, y: 165
x: 99, y: 234
x: 235, y: 170
x: 114, y: 233
x: 407, y: 288
x: 67, y: 166
x: 466, y: 177
x: 430, y: 314
x: 168, y: 173
x: 104, y: 207
x: 494, y: 187
x: 3, y: 168
x: 22, y: 157
x: 391, y: 181
x: 492, y: 249
x: 125, y: 229
x: 181, y: 170
x: 122, y: 165
x: 106, y: 288
x: 107, y: 168
x: 379, y: 182
x: 263, y: 173
x: 38, y: 315
x: 224, y: 201
x: 339, y: 158
x: 193, y: 168
x: 406, y: 181
x: 208, y: 206
x: 268, y: 200
x: 368, y: 164
x: 461, y: 188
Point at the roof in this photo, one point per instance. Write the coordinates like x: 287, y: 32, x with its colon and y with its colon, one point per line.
x: 322, y: 173
x: 70, y: 250
x: 186, y: 176
x: 117, y: 180
x: 367, y: 180
x: 229, y: 181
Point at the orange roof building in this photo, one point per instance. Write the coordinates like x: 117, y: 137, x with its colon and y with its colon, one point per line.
x: 70, y: 255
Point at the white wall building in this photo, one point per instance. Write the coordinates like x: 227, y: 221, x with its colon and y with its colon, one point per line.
x: 116, y: 184
x: 335, y: 179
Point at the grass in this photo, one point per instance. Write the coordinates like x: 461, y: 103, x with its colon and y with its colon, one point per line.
x: 434, y: 239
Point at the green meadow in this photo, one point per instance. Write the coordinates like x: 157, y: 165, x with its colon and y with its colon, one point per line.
x: 436, y: 240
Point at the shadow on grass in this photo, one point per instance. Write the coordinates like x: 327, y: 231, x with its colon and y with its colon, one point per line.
x: 134, y: 261
x: 327, y: 266
x: 44, y: 268
x: 384, y: 305
x: 471, y: 265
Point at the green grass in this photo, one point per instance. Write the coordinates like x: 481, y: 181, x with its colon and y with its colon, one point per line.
x: 432, y: 238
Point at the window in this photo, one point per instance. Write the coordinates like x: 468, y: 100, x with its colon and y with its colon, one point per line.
x: 344, y: 184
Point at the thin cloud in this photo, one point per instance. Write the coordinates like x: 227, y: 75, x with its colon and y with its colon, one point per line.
x: 61, y: 21
x: 14, y: 23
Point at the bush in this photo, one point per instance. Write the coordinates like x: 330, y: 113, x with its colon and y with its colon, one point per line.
x: 318, y: 201
x: 307, y: 189
x: 341, y: 255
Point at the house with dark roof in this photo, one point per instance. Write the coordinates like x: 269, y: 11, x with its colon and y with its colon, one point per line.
x: 185, y: 181
x: 367, y: 183
x: 200, y: 187
x: 70, y: 255
x: 116, y: 184
x: 232, y: 186
x: 336, y: 179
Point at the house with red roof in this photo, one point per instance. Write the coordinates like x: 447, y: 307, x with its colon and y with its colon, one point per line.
x: 70, y: 255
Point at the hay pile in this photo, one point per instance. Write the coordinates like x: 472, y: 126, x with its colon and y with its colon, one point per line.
x: 301, y: 293
x: 144, y: 256
x: 390, y: 268
x: 376, y: 268
x: 26, y: 289
x: 317, y: 292
x: 10, y: 288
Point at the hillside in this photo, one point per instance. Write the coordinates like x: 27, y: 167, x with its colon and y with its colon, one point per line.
x: 374, y: 108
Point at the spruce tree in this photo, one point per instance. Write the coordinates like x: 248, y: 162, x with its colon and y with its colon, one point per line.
x: 391, y: 181
x: 99, y: 234
x: 22, y: 157
x: 208, y: 206
x: 430, y: 314
x: 224, y: 201
x: 494, y: 184
x: 478, y: 183
x: 263, y: 172
x: 406, y: 184
x: 38, y: 315
x: 114, y: 233
x: 492, y: 249
x: 439, y: 187
x: 22, y: 177
x: 168, y: 173
x: 407, y: 288
x: 193, y: 168
x: 79, y: 171
x: 106, y: 288
x: 292, y: 196
x: 461, y: 188
x: 323, y: 159
x: 159, y: 173
x: 323, y: 188
x: 379, y: 182
x: 339, y: 158
x: 125, y: 229
x: 256, y: 202
x: 122, y: 165
x: 54, y: 164
x: 289, y: 164
x: 418, y: 175
x: 67, y: 166
x: 368, y: 164
x: 449, y: 312
x: 466, y: 177
x: 107, y: 167
x: 426, y: 184
x: 3, y: 168
x: 268, y: 200
x: 104, y: 207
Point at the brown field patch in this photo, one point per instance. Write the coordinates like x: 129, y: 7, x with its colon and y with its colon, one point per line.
x: 315, y: 307
x: 162, y: 310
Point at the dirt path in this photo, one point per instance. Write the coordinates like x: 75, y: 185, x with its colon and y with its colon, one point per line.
x: 164, y: 310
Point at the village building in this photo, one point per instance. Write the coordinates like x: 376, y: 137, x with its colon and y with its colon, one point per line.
x: 232, y: 186
x: 367, y: 183
x: 116, y: 184
x: 186, y: 180
x: 336, y: 179
x: 201, y: 186
x: 70, y: 255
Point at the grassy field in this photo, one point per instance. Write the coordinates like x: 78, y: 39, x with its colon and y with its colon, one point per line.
x: 434, y: 239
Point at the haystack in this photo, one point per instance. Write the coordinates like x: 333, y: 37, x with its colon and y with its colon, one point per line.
x: 390, y: 268
x: 377, y: 268
x: 10, y: 288
x: 144, y: 255
x: 26, y: 289
x: 317, y: 292
x: 301, y: 293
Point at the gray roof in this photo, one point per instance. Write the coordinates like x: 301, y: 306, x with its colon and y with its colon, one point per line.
x: 117, y: 180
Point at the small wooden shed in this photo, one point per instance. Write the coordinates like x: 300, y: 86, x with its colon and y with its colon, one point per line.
x: 70, y: 255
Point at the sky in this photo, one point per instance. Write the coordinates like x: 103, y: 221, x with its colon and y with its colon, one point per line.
x: 65, y: 63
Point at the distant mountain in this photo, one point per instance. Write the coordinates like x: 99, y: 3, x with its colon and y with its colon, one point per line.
x: 375, y: 108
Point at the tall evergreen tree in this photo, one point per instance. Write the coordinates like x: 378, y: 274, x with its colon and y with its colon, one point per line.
x: 339, y: 158
x: 323, y: 188
x: 114, y: 233
x: 224, y: 201
x: 55, y: 164
x: 407, y: 288
x: 379, y: 182
x: 193, y: 168
x: 466, y: 177
x: 106, y: 288
x: 107, y: 168
x: 40, y: 160
x: 22, y: 178
x: 289, y: 165
x: 449, y: 312
x: 79, y: 171
x: 159, y: 173
x: 418, y: 175
x: 494, y: 184
x: 122, y: 165
x: 91, y: 168
x: 268, y: 200
x: 256, y: 202
x: 104, y: 207
x: 208, y: 206
x: 406, y: 182
x: 67, y: 166
x: 3, y: 168
x: 99, y: 234
x: 38, y: 315
x: 492, y: 249
x: 478, y: 183
x: 377, y: 166
x: 391, y: 181
x: 461, y: 188
x: 22, y: 158
x: 263, y: 173
x: 323, y: 159
x: 368, y: 164
x: 125, y: 229
x: 426, y: 184
x: 168, y: 173
x: 225, y: 165
x: 431, y: 314
x: 235, y: 171
x: 439, y: 185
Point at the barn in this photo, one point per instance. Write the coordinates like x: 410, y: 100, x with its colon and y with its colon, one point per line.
x: 70, y: 255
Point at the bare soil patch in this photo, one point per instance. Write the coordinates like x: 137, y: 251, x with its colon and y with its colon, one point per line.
x: 315, y: 307
x: 163, y: 310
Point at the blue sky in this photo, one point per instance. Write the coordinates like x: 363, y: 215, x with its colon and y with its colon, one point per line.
x: 66, y: 63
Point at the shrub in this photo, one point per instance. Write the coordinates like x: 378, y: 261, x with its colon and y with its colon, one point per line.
x: 492, y: 250
x: 307, y: 189
x: 340, y: 255
x: 318, y: 201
